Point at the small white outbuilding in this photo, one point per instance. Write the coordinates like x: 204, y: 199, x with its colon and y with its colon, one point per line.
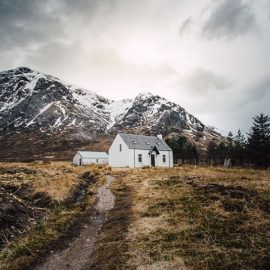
x: 130, y: 150
x: 87, y: 157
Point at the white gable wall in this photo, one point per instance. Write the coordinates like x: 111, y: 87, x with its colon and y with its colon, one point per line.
x: 171, y: 159
x: 76, y: 159
x: 119, y: 158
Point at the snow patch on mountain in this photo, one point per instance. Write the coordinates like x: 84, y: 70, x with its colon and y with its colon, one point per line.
x: 30, y: 100
x: 31, y: 122
x: 117, y: 109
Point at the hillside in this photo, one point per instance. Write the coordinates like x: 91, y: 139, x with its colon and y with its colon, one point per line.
x: 44, y: 116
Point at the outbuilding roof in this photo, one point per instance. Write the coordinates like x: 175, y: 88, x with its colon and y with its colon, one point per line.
x: 144, y: 142
x: 89, y: 154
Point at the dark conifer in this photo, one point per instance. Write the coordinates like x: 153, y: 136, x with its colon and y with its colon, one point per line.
x: 259, y: 141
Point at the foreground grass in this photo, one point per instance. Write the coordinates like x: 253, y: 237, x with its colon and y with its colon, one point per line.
x: 198, y: 218
x: 61, y: 185
x: 182, y: 218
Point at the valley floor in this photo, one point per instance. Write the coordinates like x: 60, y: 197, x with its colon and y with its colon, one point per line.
x: 181, y: 218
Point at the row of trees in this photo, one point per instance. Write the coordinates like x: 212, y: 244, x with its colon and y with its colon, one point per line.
x: 184, y: 151
x: 253, y: 150
x: 234, y: 149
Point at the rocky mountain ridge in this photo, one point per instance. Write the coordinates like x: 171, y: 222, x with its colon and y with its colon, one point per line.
x: 40, y: 105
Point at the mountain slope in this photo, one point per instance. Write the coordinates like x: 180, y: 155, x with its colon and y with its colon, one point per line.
x: 157, y: 115
x: 33, y: 104
x: 32, y: 101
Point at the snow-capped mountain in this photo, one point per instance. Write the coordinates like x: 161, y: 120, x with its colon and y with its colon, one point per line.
x: 33, y: 102
x: 154, y: 113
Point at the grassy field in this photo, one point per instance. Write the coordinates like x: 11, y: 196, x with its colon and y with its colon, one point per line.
x: 188, y: 218
x: 181, y: 218
x: 39, y: 202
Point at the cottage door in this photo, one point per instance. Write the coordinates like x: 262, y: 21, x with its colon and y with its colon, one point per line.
x: 153, y: 163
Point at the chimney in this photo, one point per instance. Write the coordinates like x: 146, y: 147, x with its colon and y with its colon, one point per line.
x: 159, y: 136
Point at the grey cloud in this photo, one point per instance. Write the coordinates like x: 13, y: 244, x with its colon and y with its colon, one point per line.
x: 84, y: 11
x: 230, y: 18
x: 82, y: 5
x: 56, y: 58
x: 30, y: 27
x: 28, y: 22
x: 258, y: 91
x: 246, y: 101
x: 227, y: 105
x: 23, y: 23
x: 250, y: 101
x: 203, y: 81
x: 185, y: 26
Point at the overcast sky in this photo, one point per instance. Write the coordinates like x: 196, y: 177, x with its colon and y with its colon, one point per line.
x: 210, y: 56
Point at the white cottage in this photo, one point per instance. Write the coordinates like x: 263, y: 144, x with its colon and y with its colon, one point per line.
x: 87, y: 157
x: 128, y: 150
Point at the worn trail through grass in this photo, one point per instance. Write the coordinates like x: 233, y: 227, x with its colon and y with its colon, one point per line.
x: 80, y: 249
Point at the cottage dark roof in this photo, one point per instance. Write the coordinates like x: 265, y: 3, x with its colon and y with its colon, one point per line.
x: 144, y: 142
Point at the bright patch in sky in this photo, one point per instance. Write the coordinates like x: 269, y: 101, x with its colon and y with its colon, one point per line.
x: 211, y: 57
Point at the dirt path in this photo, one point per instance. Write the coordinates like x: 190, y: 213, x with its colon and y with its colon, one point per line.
x: 80, y: 249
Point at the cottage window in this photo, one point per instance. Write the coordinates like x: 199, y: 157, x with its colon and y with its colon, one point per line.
x: 120, y: 147
x: 164, y: 158
x: 140, y: 158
